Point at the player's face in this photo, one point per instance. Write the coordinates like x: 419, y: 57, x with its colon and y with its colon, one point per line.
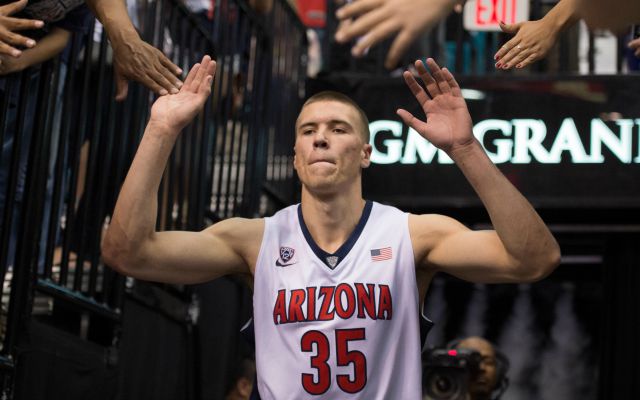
x: 330, y: 150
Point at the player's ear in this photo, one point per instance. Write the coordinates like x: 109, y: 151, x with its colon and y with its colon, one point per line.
x: 295, y: 157
x: 366, y: 155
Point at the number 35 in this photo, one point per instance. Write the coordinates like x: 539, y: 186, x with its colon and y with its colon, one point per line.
x: 344, y: 357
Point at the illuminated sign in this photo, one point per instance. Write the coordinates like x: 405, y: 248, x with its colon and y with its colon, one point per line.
x: 566, y: 143
x: 485, y: 15
x: 516, y: 141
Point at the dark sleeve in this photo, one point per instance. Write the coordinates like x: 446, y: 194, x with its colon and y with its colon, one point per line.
x: 49, y: 11
x: 77, y: 20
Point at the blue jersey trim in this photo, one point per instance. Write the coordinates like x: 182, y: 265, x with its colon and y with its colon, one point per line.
x: 342, y: 252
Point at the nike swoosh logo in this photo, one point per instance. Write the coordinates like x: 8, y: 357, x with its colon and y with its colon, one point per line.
x: 279, y: 264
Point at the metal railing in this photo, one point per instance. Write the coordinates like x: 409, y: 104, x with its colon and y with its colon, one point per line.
x: 60, y: 123
x: 288, y: 78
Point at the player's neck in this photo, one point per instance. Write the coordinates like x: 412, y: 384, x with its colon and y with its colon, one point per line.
x: 331, y: 219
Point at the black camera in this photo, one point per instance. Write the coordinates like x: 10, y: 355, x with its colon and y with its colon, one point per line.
x: 447, y: 373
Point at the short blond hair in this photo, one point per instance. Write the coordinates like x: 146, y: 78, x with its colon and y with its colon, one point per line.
x: 330, y: 95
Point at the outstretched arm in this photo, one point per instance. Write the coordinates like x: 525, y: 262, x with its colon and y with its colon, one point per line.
x: 47, y: 48
x: 134, y: 59
x: 532, y: 40
x: 521, y: 248
x: 375, y: 20
x: 131, y: 244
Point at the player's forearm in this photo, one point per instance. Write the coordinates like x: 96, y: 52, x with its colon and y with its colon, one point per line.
x: 134, y: 219
x: 521, y: 230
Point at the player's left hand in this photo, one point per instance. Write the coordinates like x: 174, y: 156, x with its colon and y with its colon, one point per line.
x: 448, y: 125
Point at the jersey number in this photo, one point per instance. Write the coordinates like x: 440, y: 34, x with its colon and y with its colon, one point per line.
x: 344, y: 357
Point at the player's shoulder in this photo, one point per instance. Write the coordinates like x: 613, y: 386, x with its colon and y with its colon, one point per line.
x: 242, y: 235
x: 381, y: 210
x: 434, y: 221
x: 429, y: 228
x: 236, y: 228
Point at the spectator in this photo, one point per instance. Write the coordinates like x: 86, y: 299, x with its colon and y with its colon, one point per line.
x: 50, y: 41
x: 134, y: 59
x: 533, y: 39
x: 491, y: 375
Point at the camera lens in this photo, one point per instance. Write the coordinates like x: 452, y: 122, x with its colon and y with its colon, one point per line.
x: 443, y: 384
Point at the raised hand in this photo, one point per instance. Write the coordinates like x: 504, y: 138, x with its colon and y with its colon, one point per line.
x: 175, y: 111
x: 448, y: 125
x: 9, y: 39
x: 375, y: 20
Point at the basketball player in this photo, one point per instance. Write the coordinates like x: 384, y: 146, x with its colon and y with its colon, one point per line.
x: 337, y: 279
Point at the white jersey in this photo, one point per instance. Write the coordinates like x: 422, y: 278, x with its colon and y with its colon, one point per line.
x: 342, y: 325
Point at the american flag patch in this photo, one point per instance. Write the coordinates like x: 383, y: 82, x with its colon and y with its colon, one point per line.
x: 381, y: 254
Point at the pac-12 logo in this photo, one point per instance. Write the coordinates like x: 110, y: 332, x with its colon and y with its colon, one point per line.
x: 286, y: 255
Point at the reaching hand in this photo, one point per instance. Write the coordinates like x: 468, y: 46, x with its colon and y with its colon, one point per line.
x: 531, y: 42
x: 8, y: 25
x: 448, y: 125
x: 135, y: 59
x: 175, y: 111
x: 635, y: 45
x: 375, y: 20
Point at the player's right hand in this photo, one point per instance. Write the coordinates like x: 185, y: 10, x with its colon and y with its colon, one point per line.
x: 175, y: 111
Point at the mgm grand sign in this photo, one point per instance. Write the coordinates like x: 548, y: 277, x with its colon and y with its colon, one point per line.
x: 567, y: 143
x: 517, y: 141
x: 562, y: 162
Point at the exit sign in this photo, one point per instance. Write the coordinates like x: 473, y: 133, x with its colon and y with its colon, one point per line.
x: 485, y: 15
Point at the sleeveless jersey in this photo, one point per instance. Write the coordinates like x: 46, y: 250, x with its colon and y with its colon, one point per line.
x: 342, y: 325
